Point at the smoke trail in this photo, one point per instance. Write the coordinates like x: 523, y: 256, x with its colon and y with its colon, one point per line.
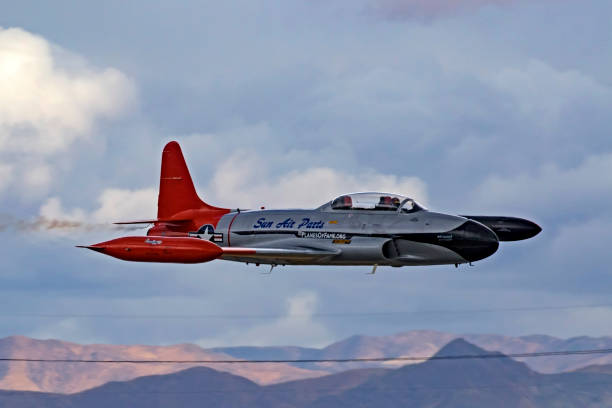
x: 40, y: 223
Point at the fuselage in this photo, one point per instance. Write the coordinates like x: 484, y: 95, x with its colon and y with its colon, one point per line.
x: 358, y: 237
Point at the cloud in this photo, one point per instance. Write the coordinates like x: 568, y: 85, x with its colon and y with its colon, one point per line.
x: 36, y: 177
x: 244, y: 179
x: 6, y: 172
x: 405, y: 9
x: 52, y: 209
x: 50, y: 99
x: 119, y: 204
x: 113, y: 205
x: 545, y: 93
x: 581, y: 191
x: 578, y: 247
x: 47, y: 104
x: 296, y: 327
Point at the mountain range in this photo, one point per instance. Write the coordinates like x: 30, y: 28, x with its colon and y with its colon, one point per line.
x: 73, y: 378
x: 70, y: 378
x: 480, y: 382
x: 427, y: 343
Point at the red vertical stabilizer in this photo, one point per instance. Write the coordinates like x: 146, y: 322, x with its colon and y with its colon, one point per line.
x: 176, y: 190
x: 179, y: 209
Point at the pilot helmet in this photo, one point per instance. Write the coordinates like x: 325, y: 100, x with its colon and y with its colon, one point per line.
x: 343, y: 202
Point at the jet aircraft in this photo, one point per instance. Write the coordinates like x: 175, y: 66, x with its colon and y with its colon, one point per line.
x: 353, y: 229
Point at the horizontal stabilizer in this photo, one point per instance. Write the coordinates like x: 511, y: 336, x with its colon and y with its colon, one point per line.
x: 151, y: 221
x: 135, y: 222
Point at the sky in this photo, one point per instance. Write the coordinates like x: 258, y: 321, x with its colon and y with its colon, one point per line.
x: 489, y: 107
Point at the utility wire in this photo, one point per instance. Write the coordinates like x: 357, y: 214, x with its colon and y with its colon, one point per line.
x: 277, y: 316
x: 323, y: 360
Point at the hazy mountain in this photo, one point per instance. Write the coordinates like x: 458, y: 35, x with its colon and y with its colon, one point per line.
x: 427, y: 343
x: 490, y: 382
x: 70, y: 378
x: 194, y: 387
x: 474, y: 383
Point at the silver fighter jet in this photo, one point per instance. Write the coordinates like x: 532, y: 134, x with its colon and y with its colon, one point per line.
x: 352, y: 229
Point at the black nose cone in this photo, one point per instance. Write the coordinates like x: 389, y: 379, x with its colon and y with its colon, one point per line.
x: 530, y: 229
x: 474, y: 241
x: 508, y: 228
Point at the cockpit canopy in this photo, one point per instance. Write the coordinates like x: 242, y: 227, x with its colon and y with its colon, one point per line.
x: 374, y: 202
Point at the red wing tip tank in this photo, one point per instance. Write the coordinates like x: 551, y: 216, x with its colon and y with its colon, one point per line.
x: 159, y: 249
x: 353, y: 229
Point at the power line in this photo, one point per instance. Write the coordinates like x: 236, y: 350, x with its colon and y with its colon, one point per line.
x: 277, y: 316
x: 324, y: 360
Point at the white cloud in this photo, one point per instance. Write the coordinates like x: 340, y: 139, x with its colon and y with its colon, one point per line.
x: 583, y: 189
x: 126, y: 205
x: 52, y: 209
x: 113, y: 205
x: 295, y: 328
x: 244, y: 180
x: 545, y: 93
x: 582, y: 246
x: 36, y: 178
x: 45, y: 104
x: 50, y: 98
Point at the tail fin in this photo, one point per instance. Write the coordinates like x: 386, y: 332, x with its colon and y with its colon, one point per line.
x: 179, y: 209
x: 176, y: 190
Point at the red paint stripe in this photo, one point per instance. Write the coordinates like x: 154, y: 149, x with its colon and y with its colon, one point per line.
x: 229, y: 230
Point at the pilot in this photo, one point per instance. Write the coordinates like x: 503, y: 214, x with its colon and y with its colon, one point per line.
x: 395, y: 202
x: 342, y: 203
x: 385, y: 203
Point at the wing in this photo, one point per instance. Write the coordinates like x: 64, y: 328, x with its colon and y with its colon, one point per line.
x: 280, y: 256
